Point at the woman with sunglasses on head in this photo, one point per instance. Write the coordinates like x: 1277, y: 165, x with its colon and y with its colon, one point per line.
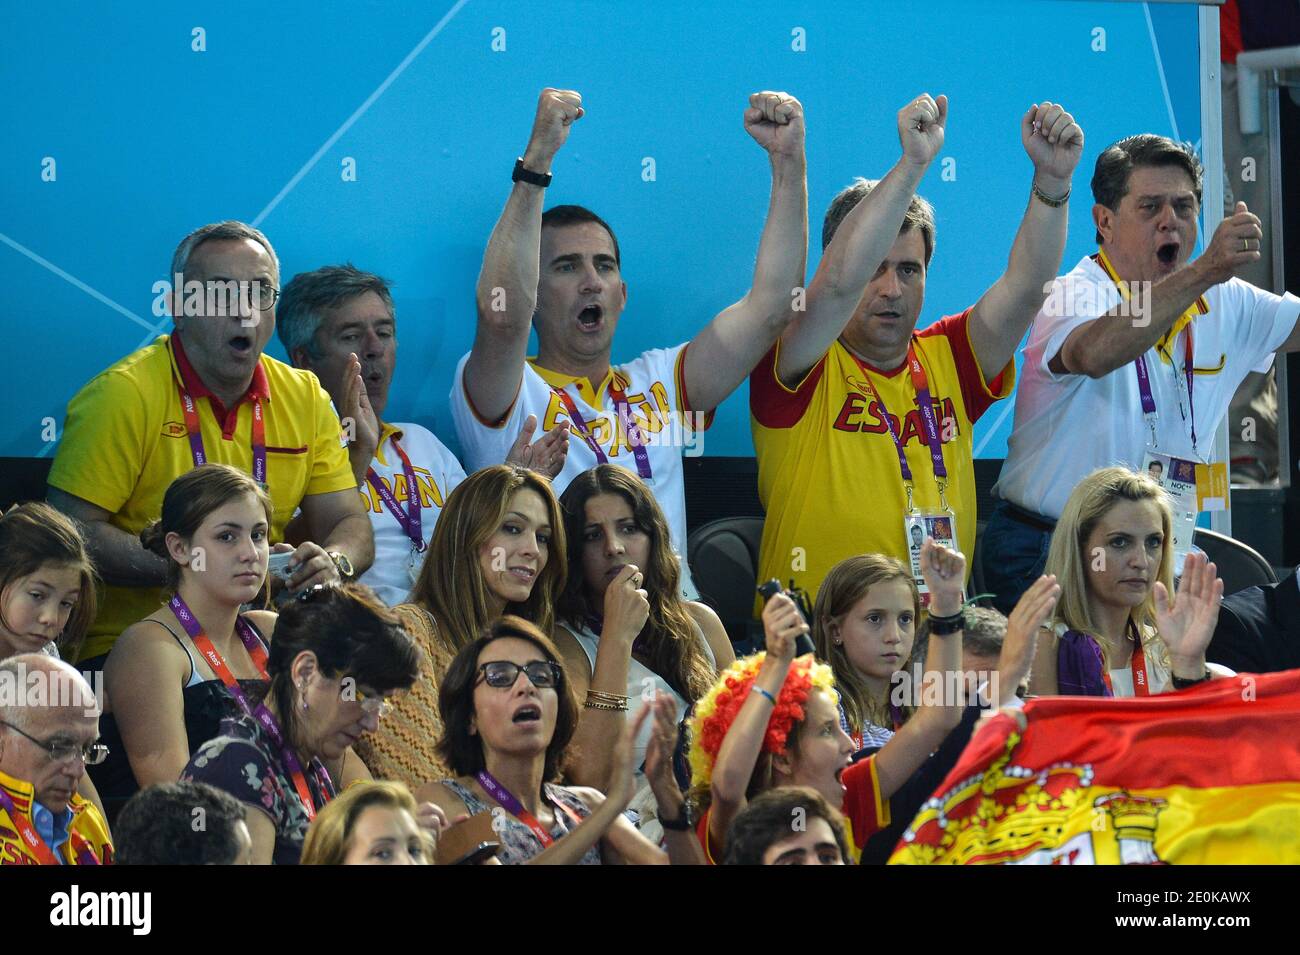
x: 624, y: 628
x: 491, y: 553
x: 338, y: 654
x: 509, y: 714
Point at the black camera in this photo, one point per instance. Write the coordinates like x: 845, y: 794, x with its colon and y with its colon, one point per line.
x: 803, y: 643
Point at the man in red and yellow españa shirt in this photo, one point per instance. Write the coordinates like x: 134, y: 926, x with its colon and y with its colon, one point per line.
x: 49, y: 725
x: 207, y: 393
x: 861, y: 425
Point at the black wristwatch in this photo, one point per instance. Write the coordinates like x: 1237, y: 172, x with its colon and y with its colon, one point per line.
x: 523, y: 174
x: 1181, y: 684
x: 682, y: 824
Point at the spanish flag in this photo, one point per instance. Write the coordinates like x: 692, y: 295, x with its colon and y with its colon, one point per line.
x: 1209, y: 775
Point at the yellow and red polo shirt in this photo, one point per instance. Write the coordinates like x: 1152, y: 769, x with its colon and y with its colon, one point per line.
x: 828, y: 472
x: 124, y: 441
x: 87, y: 830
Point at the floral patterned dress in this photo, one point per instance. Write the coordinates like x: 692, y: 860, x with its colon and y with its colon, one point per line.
x: 244, y: 762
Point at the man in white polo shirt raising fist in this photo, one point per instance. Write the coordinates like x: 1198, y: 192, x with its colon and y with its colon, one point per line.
x: 1134, y: 357
x: 339, y: 322
x: 562, y: 273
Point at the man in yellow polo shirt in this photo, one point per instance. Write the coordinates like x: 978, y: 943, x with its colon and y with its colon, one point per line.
x: 862, y: 427
x: 206, y: 393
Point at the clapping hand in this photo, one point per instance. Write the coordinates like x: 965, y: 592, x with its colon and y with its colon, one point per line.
x: 547, y: 454
x: 1187, y: 624
x: 364, y: 438
x: 1031, y: 613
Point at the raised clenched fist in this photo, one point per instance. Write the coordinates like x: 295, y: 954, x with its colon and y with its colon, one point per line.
x: 920, y: 128
x: 1054, y: 142
x: 557, y: 111
x: 775, y: 120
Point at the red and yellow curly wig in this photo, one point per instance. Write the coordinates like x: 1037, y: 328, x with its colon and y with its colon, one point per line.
x: 717, y: 709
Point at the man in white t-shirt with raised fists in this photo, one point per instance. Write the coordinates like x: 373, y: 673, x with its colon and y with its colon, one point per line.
x: 562, y: 273
x: 1134, y: 357
x: 339, y: 322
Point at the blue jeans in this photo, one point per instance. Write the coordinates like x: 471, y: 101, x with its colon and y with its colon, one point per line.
x: 1013, y: 554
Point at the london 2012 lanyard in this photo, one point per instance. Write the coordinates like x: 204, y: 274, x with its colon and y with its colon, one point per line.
x: 513, y: 806
x: 921, y: 384
x: 32, y: 839
x: 192, y: 427
x: 1183, y: 378
x: 218, y: 664
x: 408, y: 517
x: 260, y: 712
x: 624, y: 413
x: 1138, y: 666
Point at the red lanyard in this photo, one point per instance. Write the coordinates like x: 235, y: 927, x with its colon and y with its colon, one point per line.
x: 215, y: 660
x: 32, y: 839
x: 513, y: 806
x: 921, y: 384
x: 260, y: 712
x: 1138, y: 666
x: 193, y: 428
x: 409, y: 517
x: 623, y: 410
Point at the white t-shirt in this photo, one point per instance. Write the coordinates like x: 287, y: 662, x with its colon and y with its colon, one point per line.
x: 1067, y: 426
x: 656, y: 397
x: 436, y: 472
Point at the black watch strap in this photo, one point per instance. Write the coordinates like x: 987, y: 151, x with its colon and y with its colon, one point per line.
x: 1182, y: 684
x: 523, y: 174
x: 681, y: 824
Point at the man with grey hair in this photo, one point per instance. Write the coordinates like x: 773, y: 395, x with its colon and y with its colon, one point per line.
x: 1134, y: 356
x: 49, y: 732
x: 339, y: 323
x: 206, y: 392
x: 862, y: 427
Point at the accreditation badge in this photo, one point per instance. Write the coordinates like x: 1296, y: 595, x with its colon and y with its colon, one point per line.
x: 917, y: 526
x: 1178, y: 477
x: 414, y: 561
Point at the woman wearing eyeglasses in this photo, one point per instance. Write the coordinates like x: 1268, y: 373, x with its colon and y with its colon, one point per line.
x: 491, y: 553
x: 509, y: 713
x: 338, y: 654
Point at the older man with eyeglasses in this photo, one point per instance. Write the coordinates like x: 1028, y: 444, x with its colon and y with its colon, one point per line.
x: 49, y: 732
x: 206, y: 392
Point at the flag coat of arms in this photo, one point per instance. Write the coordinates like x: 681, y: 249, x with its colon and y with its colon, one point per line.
x: 1210, y: 775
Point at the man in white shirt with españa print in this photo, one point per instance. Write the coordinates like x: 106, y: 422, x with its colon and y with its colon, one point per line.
x: 561, y: 272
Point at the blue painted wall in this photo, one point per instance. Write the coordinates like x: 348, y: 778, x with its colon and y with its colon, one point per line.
x: 152, y: 139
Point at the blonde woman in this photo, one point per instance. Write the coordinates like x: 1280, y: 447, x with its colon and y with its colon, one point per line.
x: 1116, y: 631
x: 498, y: 547
x: 373, y: 823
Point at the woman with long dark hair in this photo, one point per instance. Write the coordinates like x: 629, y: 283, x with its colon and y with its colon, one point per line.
x: 624, y: 630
